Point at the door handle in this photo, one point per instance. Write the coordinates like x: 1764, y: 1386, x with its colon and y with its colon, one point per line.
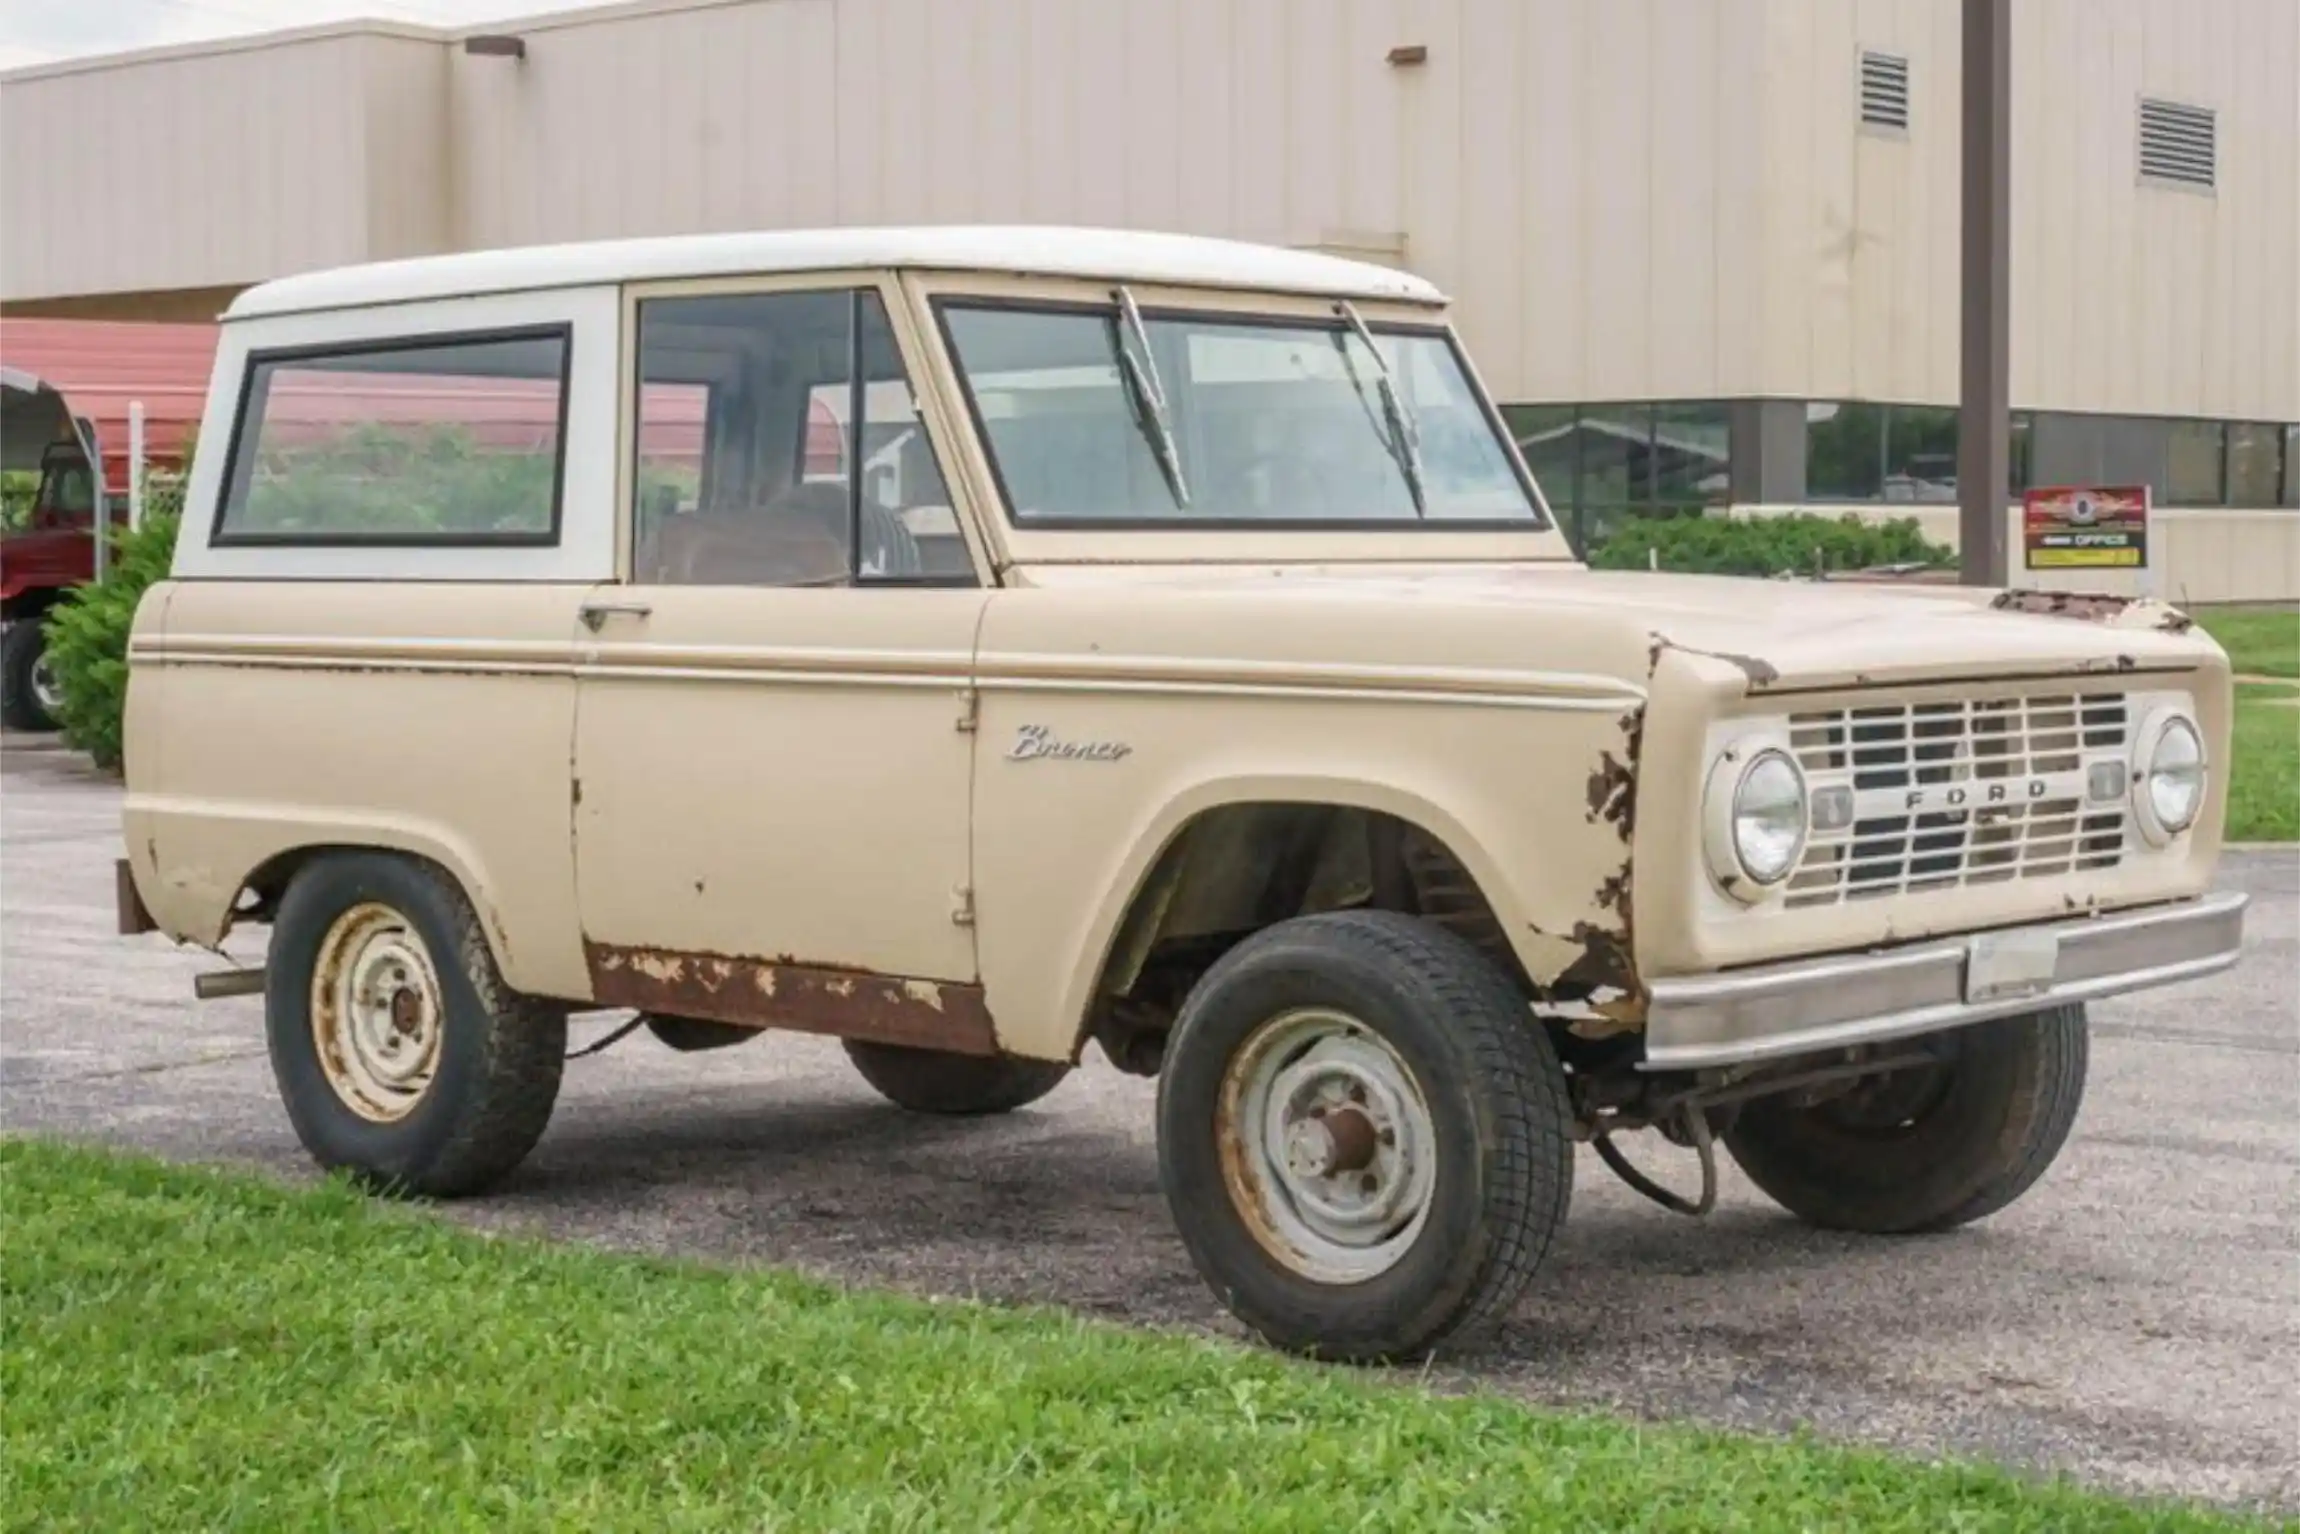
x: 595, y: 614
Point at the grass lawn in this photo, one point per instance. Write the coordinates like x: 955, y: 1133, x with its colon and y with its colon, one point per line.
x: 2260, y: 641
x: 2264, y: 780
x: 187, y: 1350
x: 2264, y: 783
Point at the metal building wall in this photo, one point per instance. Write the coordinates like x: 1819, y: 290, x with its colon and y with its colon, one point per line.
x: 1631, y: 199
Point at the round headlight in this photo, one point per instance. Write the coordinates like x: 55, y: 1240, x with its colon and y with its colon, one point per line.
x: 1769, y: 817
x: 1756, y: 818
x: 2171, y: 777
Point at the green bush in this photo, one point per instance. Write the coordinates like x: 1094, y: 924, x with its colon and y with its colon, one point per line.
x: 1764, y: 546
x: 19, y: 488
x: 88, y: 629
x: 400, y: 479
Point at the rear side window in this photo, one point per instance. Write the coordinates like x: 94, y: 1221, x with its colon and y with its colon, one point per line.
x: 447, y: 440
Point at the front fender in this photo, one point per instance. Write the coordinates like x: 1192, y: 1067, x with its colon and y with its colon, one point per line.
x: 1535, y: 802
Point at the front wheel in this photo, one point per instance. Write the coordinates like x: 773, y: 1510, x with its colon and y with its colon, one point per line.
x: 1362, y: 1132
x: 1930, y: 1147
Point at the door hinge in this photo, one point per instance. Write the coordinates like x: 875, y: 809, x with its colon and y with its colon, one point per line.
x: 969, y: 710
x: 962, y: 906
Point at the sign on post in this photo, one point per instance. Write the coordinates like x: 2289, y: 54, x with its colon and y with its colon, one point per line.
x: 2086, y: 527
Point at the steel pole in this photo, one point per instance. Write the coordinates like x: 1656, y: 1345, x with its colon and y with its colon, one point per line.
x: 135, y: 463
x: 1984, y: 415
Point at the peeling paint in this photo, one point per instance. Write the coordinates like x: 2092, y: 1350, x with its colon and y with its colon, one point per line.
x: 2062, y: 604
x: 1612, y: 792
x: 1759, y: 671
x: 2097, y: 607
x: 782, y: 993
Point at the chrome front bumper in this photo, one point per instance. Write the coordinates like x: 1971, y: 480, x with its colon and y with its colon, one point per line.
x: 1779, y: 1010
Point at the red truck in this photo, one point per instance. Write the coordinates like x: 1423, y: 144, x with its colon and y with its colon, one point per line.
x: 66, y: 388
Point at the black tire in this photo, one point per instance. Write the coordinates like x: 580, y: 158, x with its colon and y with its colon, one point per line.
x: 499, y: 1053
x: 20, y: 651
x: 937, y: 1081
x: 1498, y: 1116
x: 1958, y: 1143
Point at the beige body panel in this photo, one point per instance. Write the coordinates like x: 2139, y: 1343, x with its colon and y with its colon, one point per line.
x: 271, y: 716
x: 1435, y: 714
x: 779, y: 775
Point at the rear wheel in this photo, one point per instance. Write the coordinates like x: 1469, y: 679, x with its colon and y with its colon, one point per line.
x: 29, y: 697
x: 401, y: 1055
x: 1362, y: 1132
x: 939, y: 1081
x: 1928, y: 1148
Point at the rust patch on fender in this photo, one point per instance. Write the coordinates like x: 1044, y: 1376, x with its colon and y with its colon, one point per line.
x: 1607, y: 966
x: 1613, y: 784
x: 1759, y: 671
x: 844, y: 1002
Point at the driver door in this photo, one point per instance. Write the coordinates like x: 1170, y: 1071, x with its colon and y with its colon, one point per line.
x: 772, y: 788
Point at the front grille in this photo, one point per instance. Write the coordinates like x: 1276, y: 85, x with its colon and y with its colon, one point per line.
x: 1962, y: 792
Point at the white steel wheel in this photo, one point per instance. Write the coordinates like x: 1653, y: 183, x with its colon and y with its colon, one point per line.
x: 1362, y: 1136
x: 377, y: 1012
x: 1328, y: 1146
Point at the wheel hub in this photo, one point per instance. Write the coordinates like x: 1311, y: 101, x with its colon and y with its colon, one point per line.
x: 1329, y: 1147
x: 376, y: 1013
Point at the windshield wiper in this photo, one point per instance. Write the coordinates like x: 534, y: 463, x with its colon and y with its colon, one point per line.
x: 1402, y: 433
x: 1147, y: 393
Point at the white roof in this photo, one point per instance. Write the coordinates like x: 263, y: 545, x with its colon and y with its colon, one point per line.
x: 1120, y: 255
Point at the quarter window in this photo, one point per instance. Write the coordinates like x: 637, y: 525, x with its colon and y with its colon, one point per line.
x: 449, y: 441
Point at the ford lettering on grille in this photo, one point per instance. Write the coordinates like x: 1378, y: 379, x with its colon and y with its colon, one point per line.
x: 1957, y: 792
x: 1982, y: 795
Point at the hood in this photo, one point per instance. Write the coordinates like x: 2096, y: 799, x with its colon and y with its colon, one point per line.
x: 1777, y: 635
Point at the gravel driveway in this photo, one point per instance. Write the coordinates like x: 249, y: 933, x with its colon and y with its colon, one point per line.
x: 2132, y: 1322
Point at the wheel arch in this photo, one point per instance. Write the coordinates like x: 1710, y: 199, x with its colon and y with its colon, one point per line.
x: 1128, y: 923
x: 203, y: 898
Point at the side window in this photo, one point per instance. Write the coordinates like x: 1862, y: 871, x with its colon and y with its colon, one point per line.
x: 455, y: 440
x: 778, y: 445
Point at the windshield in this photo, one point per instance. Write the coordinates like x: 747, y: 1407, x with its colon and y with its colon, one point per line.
x: 1114, y: 417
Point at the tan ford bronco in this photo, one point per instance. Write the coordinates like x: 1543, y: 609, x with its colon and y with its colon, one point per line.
x: 975, y: 644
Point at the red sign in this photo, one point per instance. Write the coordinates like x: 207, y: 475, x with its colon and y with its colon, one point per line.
x: 2085, y: 527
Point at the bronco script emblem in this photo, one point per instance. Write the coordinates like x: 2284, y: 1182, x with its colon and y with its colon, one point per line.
x: 1034, y: 742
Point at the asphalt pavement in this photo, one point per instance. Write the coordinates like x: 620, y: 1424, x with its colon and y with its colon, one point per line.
x: 2132, y: 1322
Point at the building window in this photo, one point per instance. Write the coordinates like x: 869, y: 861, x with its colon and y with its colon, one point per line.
x: 2196, y: 454
x: 1920, y: 453
x: 1602, y: 465
x: 1844, y: 451
x: 2255, y: 463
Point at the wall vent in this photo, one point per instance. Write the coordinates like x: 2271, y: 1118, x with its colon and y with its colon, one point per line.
x: 1885, y: 90
x: 2178, y: 143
